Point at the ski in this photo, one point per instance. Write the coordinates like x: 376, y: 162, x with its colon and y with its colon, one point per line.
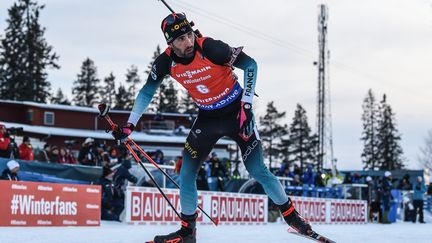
x: 314, y: 236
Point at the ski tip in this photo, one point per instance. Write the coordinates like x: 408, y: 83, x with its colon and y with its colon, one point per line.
x: 216, y: 222
x: 314, y: 236
x: 291, y: 230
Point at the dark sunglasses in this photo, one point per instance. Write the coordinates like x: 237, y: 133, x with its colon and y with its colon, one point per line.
x: 171, y: 19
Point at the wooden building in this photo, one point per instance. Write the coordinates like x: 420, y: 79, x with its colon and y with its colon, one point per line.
x: 57, y: 124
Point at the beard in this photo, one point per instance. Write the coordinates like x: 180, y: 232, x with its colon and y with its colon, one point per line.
x: 186, y: 53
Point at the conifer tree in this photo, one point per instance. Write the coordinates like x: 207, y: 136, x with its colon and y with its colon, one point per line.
x: 121, y: 98
x: 25, y: 55
x: 302, y: 145
x: 133, y: 80
x: 370, y: 129
x: 86, y: 87
x: 271, y: 132
x: 60, y: 98
x: 389, y: 149
x: 187, y: 105
x: 169, y: 101
x: 154, y: 104
x: 108, y: 92
x: 425, y: 156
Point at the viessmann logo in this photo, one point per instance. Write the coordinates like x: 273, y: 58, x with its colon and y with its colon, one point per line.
x: 27, y: 205
x: 190, y: 74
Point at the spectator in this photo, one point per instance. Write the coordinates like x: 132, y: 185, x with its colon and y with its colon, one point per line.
x: 374, y: 199
x: 217, y: 173
x: 88, y: 153
x: 337, y: 179
x: 26, y: 150
x: 429, y: 192
x: 296, y: 181
x: 348, y: 178
x: 178, y: 164
x: 44, y: 155
x: 4, y: 142
x: 236, y: 173
x: 319, y: 179
x: 356, y: 179
x: 114, y: 156
x: 65, y: 157
x: 159, y: 157
x: 202, y: 180
x: 106, y: 159
x: 418, y: 199
x: 386, y: 186
x: 297, y: 170
x: 62, y: 156
x: 112, y: 204
x: 122, y: 174
x: 292, y: 170
x: 11, y: 172
x: 283, y: 171
x: 309, y: 176
x: 55, y: 154
x: 172, y: 163
x: 100, y: 152
x: 404, y: 183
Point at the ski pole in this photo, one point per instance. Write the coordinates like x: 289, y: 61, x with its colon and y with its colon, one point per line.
x: 168, y: 176
x: 103, y: 109
x: 139, y: 161
x: 166, y: 4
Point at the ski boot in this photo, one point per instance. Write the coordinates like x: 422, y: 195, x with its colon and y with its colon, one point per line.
x: 186, y: 234
x: 294, y: 219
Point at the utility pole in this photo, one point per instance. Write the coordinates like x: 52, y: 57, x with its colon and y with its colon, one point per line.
x: 324, y: 125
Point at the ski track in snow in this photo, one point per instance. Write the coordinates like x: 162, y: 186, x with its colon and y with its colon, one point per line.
x: 113, y: 232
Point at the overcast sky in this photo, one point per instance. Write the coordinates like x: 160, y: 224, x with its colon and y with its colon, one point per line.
x: 383, y: 45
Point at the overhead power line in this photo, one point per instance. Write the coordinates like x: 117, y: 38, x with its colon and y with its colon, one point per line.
x: 310, y: 54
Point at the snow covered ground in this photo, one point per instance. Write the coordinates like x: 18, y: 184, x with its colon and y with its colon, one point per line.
x: 111, y: 232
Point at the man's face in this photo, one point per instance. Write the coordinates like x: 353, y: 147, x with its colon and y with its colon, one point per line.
x: 15, y: 170
x: 183, y: 46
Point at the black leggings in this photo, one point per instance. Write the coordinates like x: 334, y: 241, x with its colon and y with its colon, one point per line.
x: 208, y: 128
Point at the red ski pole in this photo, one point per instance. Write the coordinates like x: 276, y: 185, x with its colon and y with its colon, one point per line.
x: 103, y: 109
x: 139, y: 161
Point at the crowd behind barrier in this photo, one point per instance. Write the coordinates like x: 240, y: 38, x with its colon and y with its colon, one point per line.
x: 383, y: 194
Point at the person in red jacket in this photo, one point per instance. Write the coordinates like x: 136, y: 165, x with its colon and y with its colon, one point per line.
x: 26, y: 150
x: 66, y: 157
x: 4, y: 141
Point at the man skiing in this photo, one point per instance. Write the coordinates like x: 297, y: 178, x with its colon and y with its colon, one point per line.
x: 204, y: 67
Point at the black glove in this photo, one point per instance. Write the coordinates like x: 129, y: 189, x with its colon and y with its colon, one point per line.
x: 121, y: 133
x: 247, y: 121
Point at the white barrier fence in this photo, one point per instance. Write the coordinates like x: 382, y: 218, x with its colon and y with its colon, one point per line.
x: 146, y: 206
x: 330, y: 211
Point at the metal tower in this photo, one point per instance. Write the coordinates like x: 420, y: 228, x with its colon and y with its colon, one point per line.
x: 324, y: 126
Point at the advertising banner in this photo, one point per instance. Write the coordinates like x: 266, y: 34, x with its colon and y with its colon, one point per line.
x: 48, y: 204
x: 328, y: 210
x: 146, y: 205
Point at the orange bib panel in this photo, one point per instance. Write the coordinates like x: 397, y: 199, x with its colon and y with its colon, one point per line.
x: 211, y: 86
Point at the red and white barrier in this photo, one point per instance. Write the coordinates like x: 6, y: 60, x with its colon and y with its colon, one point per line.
x: 146, y: 205
x: 49, y: 204
x: 326, y: 210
